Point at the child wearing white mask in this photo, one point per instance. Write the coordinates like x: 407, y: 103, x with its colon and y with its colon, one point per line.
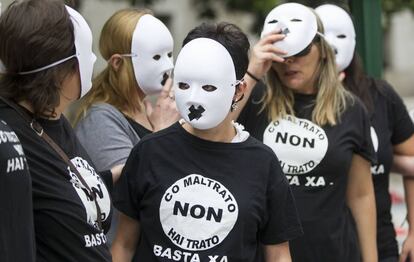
x: 47, y: 63
x: 392, y: 130
x: 203, y: 189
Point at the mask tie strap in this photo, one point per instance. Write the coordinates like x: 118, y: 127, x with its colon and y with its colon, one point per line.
x: 48, y: 66
x: 321, y: 35
x: 237, y: 82
x: 124, y: 55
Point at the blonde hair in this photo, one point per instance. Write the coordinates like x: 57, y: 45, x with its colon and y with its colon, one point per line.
x: 331, y: 100
x: 116, y: 87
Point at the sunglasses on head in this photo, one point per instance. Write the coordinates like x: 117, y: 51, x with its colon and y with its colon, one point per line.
x: 307, y: 49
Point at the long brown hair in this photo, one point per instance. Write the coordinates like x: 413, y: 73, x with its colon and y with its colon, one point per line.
x: 34, y: 34
x: 331, y: 100
x: 116, y: 87
x: 359, y: 83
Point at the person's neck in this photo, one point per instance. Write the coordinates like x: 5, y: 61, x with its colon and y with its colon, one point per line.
x: 28, y: 106
x: 224, y: 132
x: 309, y: 90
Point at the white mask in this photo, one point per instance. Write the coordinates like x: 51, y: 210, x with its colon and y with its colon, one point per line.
x: 297, y: 22
x: 151, y: 51
x: 83, y: 44
x: 339, y: 32
x: 205, y: 83
x: 84, y: 53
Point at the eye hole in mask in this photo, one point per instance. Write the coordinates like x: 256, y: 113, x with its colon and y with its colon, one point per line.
x: 170, y: 54
x: 156, y: 57
x: 296, y: 20
x: 183, y: 86
x: 273, y: 21
x: 341, y: 36
x: 209, y: 88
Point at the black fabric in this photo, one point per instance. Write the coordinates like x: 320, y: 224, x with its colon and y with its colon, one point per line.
x: 319, y: 189
x: 192, y: 189
x: 107, y: 179
x: 138, y: 128
x: 392, y: 125
x: 64, y: 215
x: 17, y: 242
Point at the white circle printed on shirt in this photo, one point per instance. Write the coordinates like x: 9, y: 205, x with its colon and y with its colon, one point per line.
x: 96, y: 184
x: 299, y: 144
x: 197, y: 213
x: 374, y: 138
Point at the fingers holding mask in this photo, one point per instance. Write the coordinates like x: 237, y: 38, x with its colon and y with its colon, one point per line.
x: 264, y: 53
x: 167, y: 89
x: 165, y: 111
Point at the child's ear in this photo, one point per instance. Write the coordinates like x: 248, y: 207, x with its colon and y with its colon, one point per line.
x: 240, y: 89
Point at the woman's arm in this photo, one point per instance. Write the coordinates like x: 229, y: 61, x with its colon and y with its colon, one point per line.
x: 403, y: 165
x: 126, y: 239
x: 361, y: 200
x: 404, y: 158
x: 262, y: 55
x: 408, y: 245
x: 405, y: 148
x: 277, y: 253
x: 116, y: 172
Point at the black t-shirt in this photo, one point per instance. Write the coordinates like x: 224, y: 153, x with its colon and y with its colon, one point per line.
x: 391, y: 125
x: 138, y: 128
x: 17, y: 243
x: 64, y: 212
x: 316, y: 161
x: 198, y: 200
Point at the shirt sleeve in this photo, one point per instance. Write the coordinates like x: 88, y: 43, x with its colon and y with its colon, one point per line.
x: 104, y: 135
x: 282, y: 221
x: 401, y: 124
x: 126, y: 196
x: 364, y: 146
x: 108, y: 180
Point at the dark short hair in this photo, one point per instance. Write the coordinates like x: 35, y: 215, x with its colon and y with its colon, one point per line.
x: 34, y: 34
x: 231, y: 37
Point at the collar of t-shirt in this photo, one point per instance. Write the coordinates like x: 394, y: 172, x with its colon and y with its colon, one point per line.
x: 241, y: 134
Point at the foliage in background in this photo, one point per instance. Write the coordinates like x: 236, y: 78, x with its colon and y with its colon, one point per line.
x: 260, y: 8
x: 391, y: 6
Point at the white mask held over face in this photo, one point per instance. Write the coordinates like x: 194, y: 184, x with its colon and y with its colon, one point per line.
x: 83, y: 44
x: 151, y: 54
x: 339, y: 32
x: 205, y: 83
x: 297, y: 22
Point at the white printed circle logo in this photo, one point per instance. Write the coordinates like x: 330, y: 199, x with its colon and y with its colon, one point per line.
x: 197, y: 213
x: 374, y: 138
x: 96, y: 184
x: 299, y: 144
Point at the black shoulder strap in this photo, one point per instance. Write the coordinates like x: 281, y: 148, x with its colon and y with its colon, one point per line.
x: 38, y: 129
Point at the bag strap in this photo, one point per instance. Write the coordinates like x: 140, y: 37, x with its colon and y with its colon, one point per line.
x: 38, y: 129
